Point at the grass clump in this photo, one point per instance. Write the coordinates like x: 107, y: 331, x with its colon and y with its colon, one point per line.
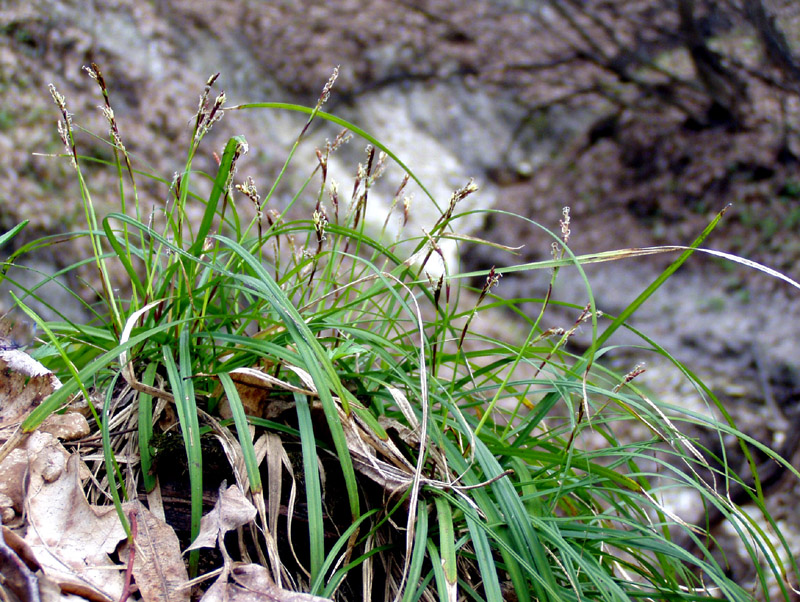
x: 423, y: 459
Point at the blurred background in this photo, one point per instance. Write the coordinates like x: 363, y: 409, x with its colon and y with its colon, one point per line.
x: 646, y: 117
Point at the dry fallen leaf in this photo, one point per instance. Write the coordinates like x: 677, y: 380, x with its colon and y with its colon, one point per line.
x: 70, y: 538
x: 15, y: 575
x: 231, y: 511
x: 158, y: 566
x: 24, y: 383
x: 254, y: 387
x: 41, y: 450
x: 67, y: 427
x: 252, y: 583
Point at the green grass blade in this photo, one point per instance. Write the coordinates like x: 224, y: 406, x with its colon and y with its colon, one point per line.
x: 418, y: 553
x: 333, y: 556
x: 183, y: 391
x: 123, y: 255
x: 625, y: 315
x: 146, y: 428
x: 86, y: 374
x: 221, y: 183
x: 447, y: 545
x: 486, y: 561
x: 112, y: 468
x: 6, y: 236
x: 315, y: 361
x: 56, y: 399
x: 316, y: 528
x: 344, y: 123
x: 243, y: 431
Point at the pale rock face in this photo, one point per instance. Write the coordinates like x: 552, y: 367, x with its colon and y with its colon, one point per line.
x: 424, y: 125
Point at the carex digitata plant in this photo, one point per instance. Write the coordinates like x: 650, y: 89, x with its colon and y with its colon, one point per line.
x: 391, y: 448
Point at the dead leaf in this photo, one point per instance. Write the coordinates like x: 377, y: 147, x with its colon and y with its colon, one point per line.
x: 231, y: 511
x: 24, y: 383
x: 17, y: 576
x: 255, y: 579
x: 67, y: 427
x: 41, y: 449
x: 21, y: 574
x: 158, y: 566
x: 12, y: 479
x: 7, y: 512
x: 70, y: 538
x: 252, y: 583
x: 254, y: 386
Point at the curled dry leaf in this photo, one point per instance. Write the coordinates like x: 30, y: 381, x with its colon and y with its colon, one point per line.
x: 12, y: 479
x: 24, y: 383
x: 252, y: 583
x: 15, y: 574
x: 231, y: 511
x: 70, y: 538
x: 21, y: 574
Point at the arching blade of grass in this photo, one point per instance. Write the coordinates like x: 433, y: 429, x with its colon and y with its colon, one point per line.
x: 112, y: 468
x: 6, y: 236
x: 87, y: 374
x: 316, y: 528
x: 55, y: 400
x: 344, y: 123
x: 180, y: 380
x: 315, y: 361
x: 588, y: 356
x: 243, y: 432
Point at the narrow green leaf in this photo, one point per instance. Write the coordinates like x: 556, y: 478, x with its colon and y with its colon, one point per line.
x: 418, y: 554
x: 185, y: 403
x: 146, y: 428
x: 447, y: 547
x: 112, y: 468
x: 123, y: 255
x: 486, y: 562
x: 333, y: 557
x: 5, y: 237
x: 346, y: 124
x: 221, y: 182
x: 316, y: 528
x: 60, y: 396
x: 243, y: 431
x: 315, y: 361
